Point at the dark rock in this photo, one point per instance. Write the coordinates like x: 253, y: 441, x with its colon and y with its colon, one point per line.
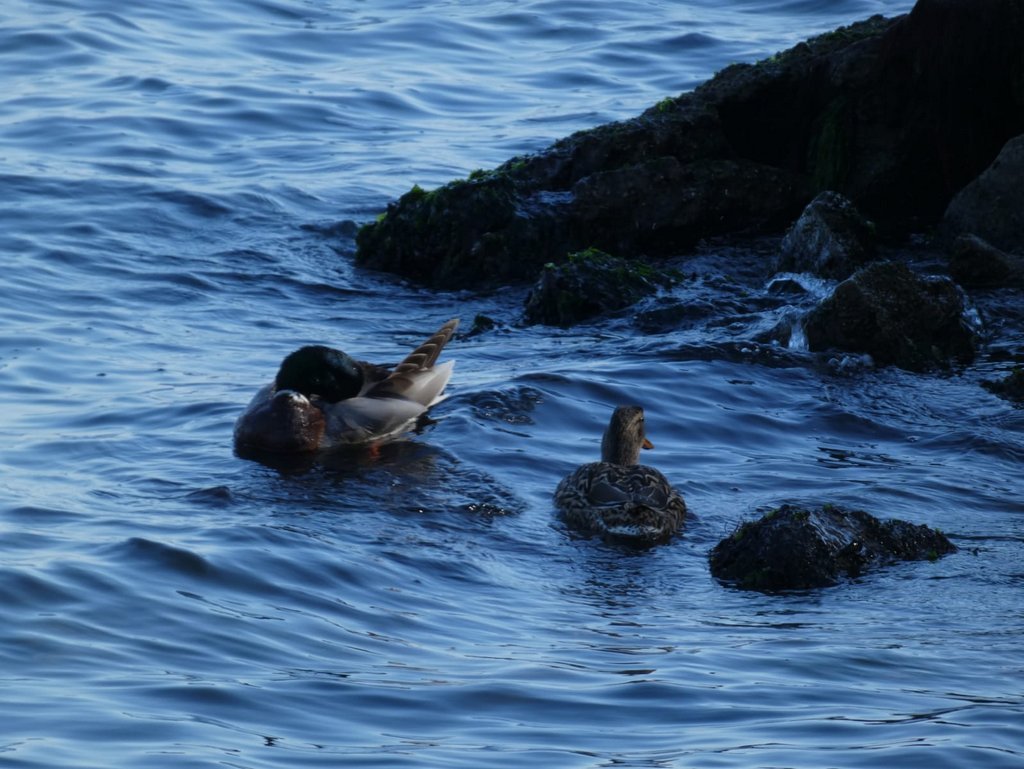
x: 992, y: 206
x: 940, y: 98
x: 792, y: 548
x: 590, y: 283
x: 830, y: 239
x: 897, y: 115
x: 976, y: 263
x: 1010, y: 387
x: 481, y: 325
x: 669, y: 313
x: 895, y: 316
x: 663, y: 206
x: 786, y: 287
x: 468, y: 232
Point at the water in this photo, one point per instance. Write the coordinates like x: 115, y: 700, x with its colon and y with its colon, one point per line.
x: 173, y: 177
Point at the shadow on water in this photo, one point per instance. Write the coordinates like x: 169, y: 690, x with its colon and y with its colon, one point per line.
x: 401, y: 477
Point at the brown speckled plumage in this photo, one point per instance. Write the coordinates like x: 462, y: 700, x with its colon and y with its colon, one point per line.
x: 618, y: 497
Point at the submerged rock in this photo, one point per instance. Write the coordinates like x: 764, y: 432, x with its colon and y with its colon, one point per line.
x: 590, y: 283
x: 793, y: 548
x: 482, y: 324
x: 1010, y: 387
x: 896, y: 317
x: 830, y: 239
x: 897, y: 115
x: 992, y: 206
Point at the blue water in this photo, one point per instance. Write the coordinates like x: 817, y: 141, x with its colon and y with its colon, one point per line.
x: 180, y: 184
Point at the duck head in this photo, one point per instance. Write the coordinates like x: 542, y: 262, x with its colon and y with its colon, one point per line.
x: 323, y: 371
x: 625, y: 437
x: 288, y: 422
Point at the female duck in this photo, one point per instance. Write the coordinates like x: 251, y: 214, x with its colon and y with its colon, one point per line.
x: 322, y: 398
x: 618, y: 497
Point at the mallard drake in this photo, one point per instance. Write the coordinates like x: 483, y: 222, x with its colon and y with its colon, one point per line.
x: 322, y: 398
x: 618, y: 497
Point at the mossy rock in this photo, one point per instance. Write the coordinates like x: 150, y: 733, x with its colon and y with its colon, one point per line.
x: 830, y: 239
x: 992, y: 206
x: 471, y: 232
x: 976, y: 263
x: 896, y: 317
x: 896, y: 114
x: 591, y: 283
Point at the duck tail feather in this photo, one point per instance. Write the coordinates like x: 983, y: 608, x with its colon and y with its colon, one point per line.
x: 426, y: 355
x: 417, y: 377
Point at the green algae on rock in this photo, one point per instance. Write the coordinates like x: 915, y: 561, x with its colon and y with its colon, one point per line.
x: 897, y: 317
x: 895, y: 114
x: 464, y: 233
x: 591, y: 283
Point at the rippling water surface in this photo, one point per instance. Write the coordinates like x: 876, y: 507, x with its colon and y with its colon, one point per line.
x: 173, y: 176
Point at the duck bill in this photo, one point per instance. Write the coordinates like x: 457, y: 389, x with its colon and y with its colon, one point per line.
x: 647, y: 444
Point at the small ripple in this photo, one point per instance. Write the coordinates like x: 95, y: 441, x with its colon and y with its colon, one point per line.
x: 686, y: 42
x: 35, y: 43
x: 140, y: 551
x: 33, y: 515
x: 216, y: 497
x: 113, y: 18
x: 26, y: 591
x: 511, y: 406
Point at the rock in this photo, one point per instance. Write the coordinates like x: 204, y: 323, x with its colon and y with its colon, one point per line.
x: 482, y: 324
x: 976, y: 263
x: 895, y: 114
x: 786, y: 286
x: 664, y: 206
x: 896, y: 317
x: 830, y: 239
x: 923, y: 113
x: 1010, y: 387
x: 469, y: 232
x: 992, y: 206
x: 591, y: 283
x: 793, y: 548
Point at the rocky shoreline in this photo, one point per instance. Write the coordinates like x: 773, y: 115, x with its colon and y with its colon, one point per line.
x: 848, y: 144
x: 898, y: 115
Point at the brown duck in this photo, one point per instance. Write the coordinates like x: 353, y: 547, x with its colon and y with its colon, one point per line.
x: 618, y: 497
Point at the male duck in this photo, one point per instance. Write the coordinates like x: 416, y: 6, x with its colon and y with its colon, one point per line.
x: 322, y: 398
x: 617, y: 497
